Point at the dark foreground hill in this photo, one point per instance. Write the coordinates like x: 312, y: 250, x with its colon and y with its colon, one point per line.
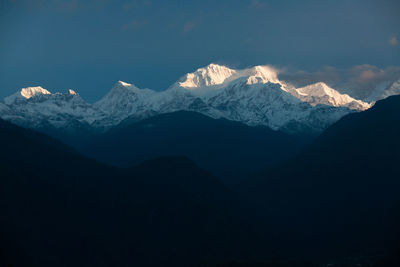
x: 226, y: 148
x: 339, y: 198
x: 61, y: 209
x: 343, y: 194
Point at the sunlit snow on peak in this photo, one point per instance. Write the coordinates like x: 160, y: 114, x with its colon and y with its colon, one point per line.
x: 261, y: 74
x: 32, y: 91
x: 216, y: 76
x: 26, y: 93
x: 72, y: 92
x: 212, y: 74
x: 124, y: 84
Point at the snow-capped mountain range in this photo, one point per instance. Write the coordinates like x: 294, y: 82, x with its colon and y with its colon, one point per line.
x: 254, y: 96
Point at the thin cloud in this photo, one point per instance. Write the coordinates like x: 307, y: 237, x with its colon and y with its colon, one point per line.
x: 364, y: 79
x: 393, y: 41
x: 299, y: 78
x: 358, y: 81
x: 189, y: 26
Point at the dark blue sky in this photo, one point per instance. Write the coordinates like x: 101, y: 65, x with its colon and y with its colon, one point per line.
x: 89, y: 45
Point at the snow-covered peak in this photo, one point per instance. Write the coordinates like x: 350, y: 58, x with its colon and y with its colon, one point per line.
x: 26, y: 93
x: 72, y: 92
x: 210, y: 75
x: 318, y: 89
x: 32, y: 91
x: 262, y: 74
x: 124, y: 87
x: 121, y: 87
x: 321, y: 93
x: 124, y: 84
x: 35, y: 107
x: 214, y: 75
x: 124, y: 99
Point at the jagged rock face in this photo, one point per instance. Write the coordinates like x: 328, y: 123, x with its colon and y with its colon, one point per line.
x: 254, y: 96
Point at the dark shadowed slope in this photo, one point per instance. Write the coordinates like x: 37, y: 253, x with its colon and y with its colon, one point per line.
x: 226, y: 148
x: 343, y: 194
x: 45, y: 209
x: 61, y: 209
